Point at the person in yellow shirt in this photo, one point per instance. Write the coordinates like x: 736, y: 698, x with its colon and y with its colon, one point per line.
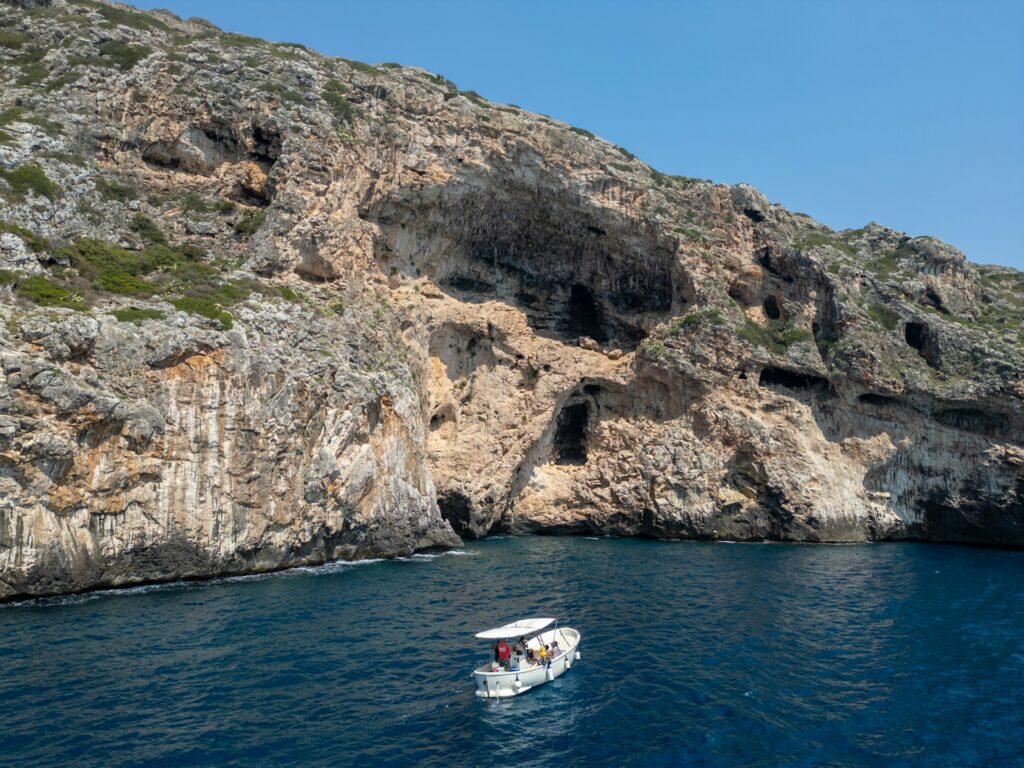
x: 543, y: 653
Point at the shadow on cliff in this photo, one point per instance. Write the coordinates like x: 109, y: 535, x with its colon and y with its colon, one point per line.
x: 574, y: 267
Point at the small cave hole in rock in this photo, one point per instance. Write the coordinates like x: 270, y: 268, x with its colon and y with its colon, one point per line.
x: 584, y: 316
x: 914, y: 333
x: 871, y: 398
x: 571, y: 435
x: 771, y: 308
x: 973, y: 420
x: 439, y: 419
x: 790, y: 379
x: 456, y: 509
x: 919, y: 336
x: 764, y: 258
x: 266, y: 145
x: 932, y: 299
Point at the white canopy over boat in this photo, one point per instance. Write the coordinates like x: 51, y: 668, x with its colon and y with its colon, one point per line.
x: 519, y: 628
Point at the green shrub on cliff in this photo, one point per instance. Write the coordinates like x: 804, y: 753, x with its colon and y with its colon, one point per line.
x: 362, y: 66
x: 9, y: 38
x: 35, y: 243
x: 694, y: 319
x: 114, y: 53
x: 118, y: 270
x: 30, y: 177
x: 39, y: 290
x: 334, y: 94
x: 123, y: 16
x: 775, y: 336
x: 147, y: 228
x: 653, y: 348
x: 884, y: 316
x: 475, y: 98
x: 206, y: 308
x: 815, y: 239
x: 249, y: 223
x: 112, y: 189
x: 137, y: 314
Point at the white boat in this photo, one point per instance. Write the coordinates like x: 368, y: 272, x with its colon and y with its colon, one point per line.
x: 523, y: 671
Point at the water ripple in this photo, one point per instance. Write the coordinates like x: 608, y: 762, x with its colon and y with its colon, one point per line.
x: 693, y: 654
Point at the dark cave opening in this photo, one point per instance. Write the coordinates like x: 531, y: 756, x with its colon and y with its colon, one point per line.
x: 456, y: 509
x: 974, y: 420
x: 571, y: 434
x: 871, y: 398
x: 791, y: 379
x: 266, y: 145
x: 584, y: 315
x: 439, y: 419
x: 920, y: 337
x: 771, y: 308
x: 914, y: 333
x: 932, y: 299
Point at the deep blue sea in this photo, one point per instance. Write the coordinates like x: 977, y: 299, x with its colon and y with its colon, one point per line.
x: 692, y: 654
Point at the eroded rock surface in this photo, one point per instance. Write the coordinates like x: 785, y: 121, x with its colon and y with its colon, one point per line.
x: 264, y: 307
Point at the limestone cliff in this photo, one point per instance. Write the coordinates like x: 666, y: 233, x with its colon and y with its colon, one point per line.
x: 264, y: 307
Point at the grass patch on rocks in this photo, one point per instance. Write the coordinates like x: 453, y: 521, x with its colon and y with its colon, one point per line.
x: 884, y: 316
x: 195, y: 203
x: 334, y: 94
x: 112, y: 189
x: 35, y: 243
x: 46, y: 293
x: 815, y: 239
x: 117, y: 270
x: 249, y: 223
x: 205, y: 307
x: 137, y: 314
x: 883, y: 266
x: 776, y: 336
x: 694, y: 319
x: 114, y: 53
x: 362, y: 66
x: 30, y: 177
x: 124, y: 17
x: 146, y: 228
x: 10, y: 38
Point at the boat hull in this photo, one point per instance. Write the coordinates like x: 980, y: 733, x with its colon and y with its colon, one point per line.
x: 497, y: 685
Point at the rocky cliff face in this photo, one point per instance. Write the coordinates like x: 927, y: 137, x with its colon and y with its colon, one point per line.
x: 263, y: 307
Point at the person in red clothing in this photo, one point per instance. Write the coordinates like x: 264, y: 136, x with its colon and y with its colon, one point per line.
x: 503, y: 651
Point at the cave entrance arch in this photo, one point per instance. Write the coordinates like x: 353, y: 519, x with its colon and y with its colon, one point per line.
x: 570, y: 443
x: 584, y: 314
x: 456, y: 508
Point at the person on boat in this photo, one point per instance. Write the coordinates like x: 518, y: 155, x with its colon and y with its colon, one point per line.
x: 503, y: 651
x: 555, y: 650
x: 543, y: 653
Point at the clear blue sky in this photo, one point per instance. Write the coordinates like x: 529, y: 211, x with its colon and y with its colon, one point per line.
x: 910, y: 113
